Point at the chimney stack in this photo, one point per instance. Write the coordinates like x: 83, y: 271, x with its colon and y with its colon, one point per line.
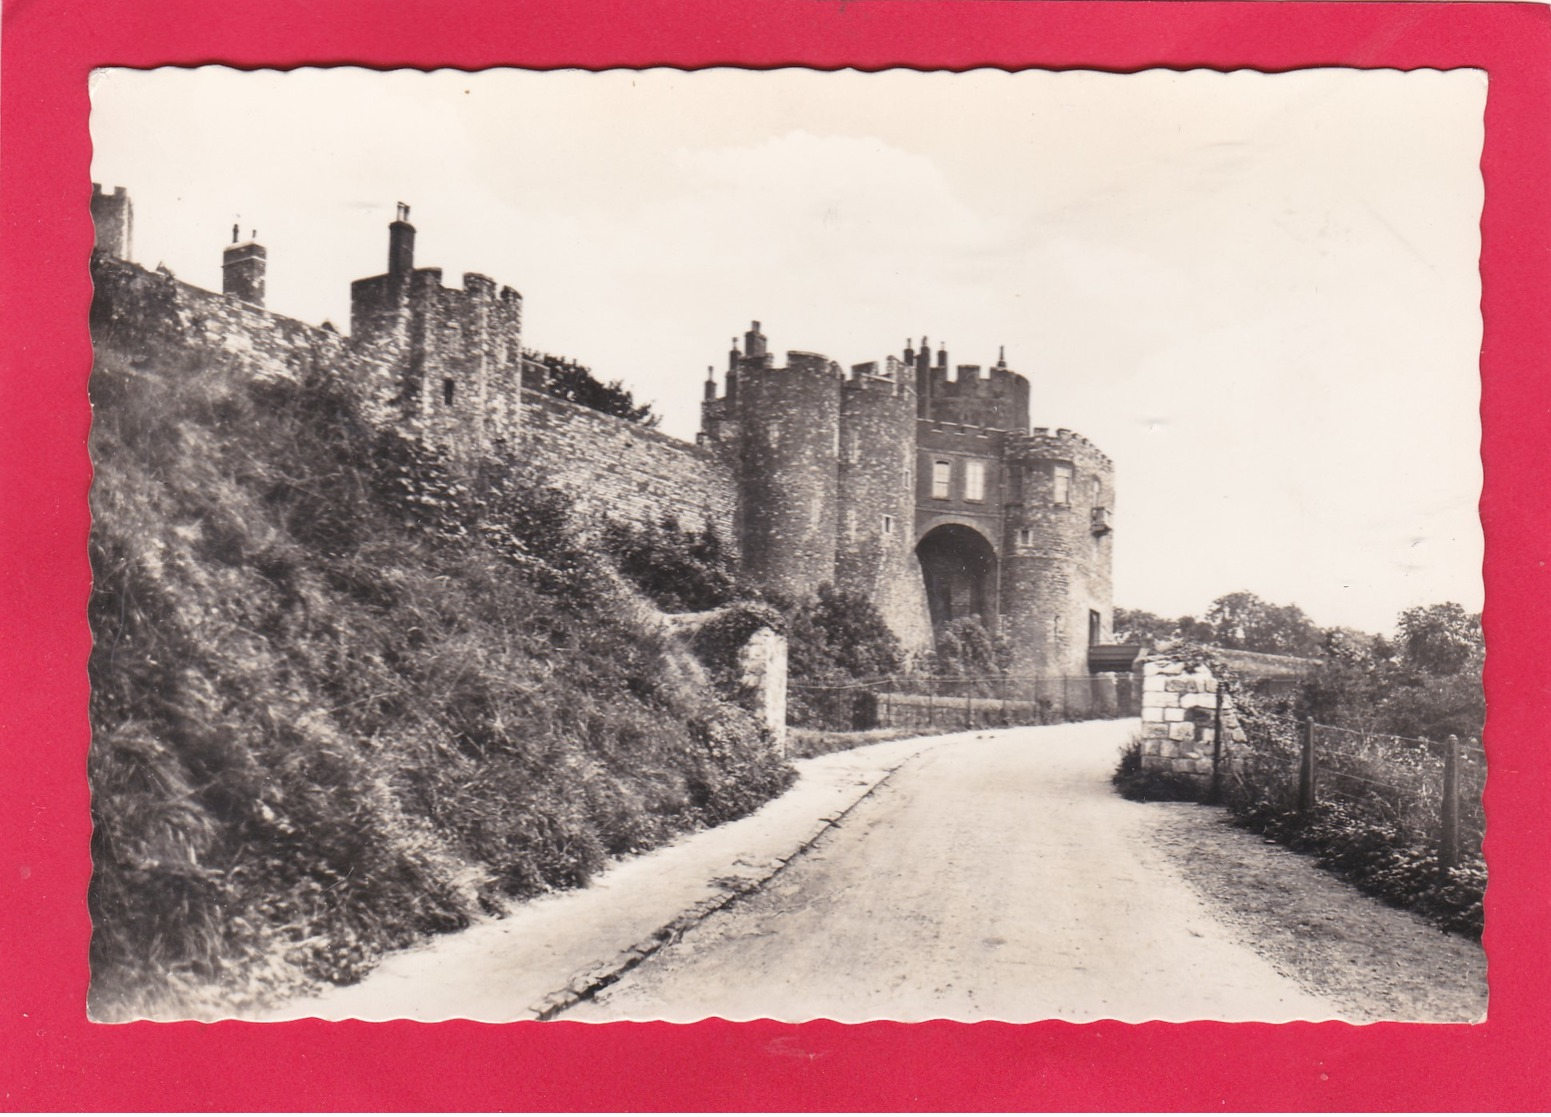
x: 242, y: 270
x: 401, y: 243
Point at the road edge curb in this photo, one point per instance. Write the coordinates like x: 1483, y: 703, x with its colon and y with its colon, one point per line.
x: 590, y: 980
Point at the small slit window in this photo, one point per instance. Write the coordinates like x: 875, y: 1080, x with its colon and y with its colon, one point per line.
x: 888, y: 525
x: 1062, y: 493
x: 448, y: 388
x: 942, y: 479
x: 1025, y: 537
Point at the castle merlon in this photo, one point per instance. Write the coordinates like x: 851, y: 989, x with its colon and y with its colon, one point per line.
x: 911, y: 481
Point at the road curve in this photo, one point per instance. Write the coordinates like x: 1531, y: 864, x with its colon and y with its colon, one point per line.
x: 993, y: 877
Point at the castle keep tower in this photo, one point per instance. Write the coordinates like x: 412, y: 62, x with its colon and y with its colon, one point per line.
x: 917, y: 484
x: 455, y: 354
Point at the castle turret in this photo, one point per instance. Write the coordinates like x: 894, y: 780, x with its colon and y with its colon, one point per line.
x: 787, y: 428
x: 875, y: 549
x: 242, y: 269
x: 451, y: 357
x: 113, y: 218
x: 1057, y: 596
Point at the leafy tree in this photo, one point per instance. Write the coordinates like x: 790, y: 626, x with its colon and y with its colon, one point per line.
x: 965, y: 648
x: 837, y: 637
x: 1439, y: 639
x: 1427, y: 684
x: 569, y: 380
x: 1138, y: 626
x: 1246, y: 621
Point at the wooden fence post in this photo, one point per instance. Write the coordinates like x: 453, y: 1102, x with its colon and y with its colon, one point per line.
x: 1215, y: 795
x: 1448, y: 841
x: 969, y: 705
x: 931, y: 701
x: 1306, y: 772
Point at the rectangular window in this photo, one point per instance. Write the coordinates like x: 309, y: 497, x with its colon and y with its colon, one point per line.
x: 447, y: 390
x: 974, y: 480
x: 942, y: 478
x: 1025, y: 537
x: 888, y: 525
x: 1063, y: 486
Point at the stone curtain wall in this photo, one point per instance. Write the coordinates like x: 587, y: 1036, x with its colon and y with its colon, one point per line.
x: 624, y: 471
x: 144, y: 312
x: 1179, y: 703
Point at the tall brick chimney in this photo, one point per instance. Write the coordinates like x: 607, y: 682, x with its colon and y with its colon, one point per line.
x: 401, y: 243
x: 242, y: 270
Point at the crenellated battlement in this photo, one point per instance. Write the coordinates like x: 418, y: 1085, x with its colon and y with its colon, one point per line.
x: 1060, y: 444
x: 910, y: 481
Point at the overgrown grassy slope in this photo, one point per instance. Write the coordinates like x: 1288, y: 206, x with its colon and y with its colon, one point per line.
x: 343, y: 698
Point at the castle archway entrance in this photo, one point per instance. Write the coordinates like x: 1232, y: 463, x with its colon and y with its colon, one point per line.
x: 959, y: 566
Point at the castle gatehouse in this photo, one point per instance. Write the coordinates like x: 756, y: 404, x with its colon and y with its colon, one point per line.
x: 915, y: 483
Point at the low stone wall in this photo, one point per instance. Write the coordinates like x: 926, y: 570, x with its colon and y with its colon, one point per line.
x: 762, y: 663
x: 1179, y: 711
x: 1052, y: 700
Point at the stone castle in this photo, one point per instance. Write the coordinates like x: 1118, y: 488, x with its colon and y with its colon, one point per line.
x: 915, y: 483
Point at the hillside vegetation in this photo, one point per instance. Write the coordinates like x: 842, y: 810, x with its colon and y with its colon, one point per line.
x: 344, y: 696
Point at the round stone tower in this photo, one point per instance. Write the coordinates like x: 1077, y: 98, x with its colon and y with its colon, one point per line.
x: 1057, y: 597
x: 789, y: 420
x: 875, y: 553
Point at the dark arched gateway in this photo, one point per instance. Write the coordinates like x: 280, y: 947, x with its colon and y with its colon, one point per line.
x: 959, y: 565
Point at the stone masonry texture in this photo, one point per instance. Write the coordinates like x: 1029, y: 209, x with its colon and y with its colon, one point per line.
x: 809, y: 473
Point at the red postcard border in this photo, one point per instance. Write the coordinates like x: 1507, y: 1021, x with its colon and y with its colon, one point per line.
x: 52, y: 1058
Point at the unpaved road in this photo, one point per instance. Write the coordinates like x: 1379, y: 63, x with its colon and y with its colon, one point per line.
x: 996, y: 877
x: 993, y: 875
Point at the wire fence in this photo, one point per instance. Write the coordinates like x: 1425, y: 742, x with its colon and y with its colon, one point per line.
x: 936, y: 703
x: 1426, y: 792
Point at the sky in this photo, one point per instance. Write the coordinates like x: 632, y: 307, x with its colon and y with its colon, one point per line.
x: 1258, y: 293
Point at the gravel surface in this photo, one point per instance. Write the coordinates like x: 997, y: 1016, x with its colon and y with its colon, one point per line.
x: 992, y: 878
x: 988, y: 875
x: 1374, y: 961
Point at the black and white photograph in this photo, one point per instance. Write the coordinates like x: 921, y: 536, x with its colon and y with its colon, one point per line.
x: 659, y: 545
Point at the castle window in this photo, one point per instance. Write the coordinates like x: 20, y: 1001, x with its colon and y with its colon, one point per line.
x: 1063, y: 485
x: 1025, y: 537
x: 888, y: 525
x: 942, y: 478
x: 974, y: 480
x: 447, y: 390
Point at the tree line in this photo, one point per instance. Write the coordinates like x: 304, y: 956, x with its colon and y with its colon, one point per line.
x: 1424, y: 680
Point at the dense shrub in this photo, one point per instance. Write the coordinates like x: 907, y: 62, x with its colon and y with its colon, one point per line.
x: 839, y: 637
x: 1139, y: 785
x: 344, y: 696
x: 1385, y: 842
x: 679, y: 569
x: 964, y: 648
